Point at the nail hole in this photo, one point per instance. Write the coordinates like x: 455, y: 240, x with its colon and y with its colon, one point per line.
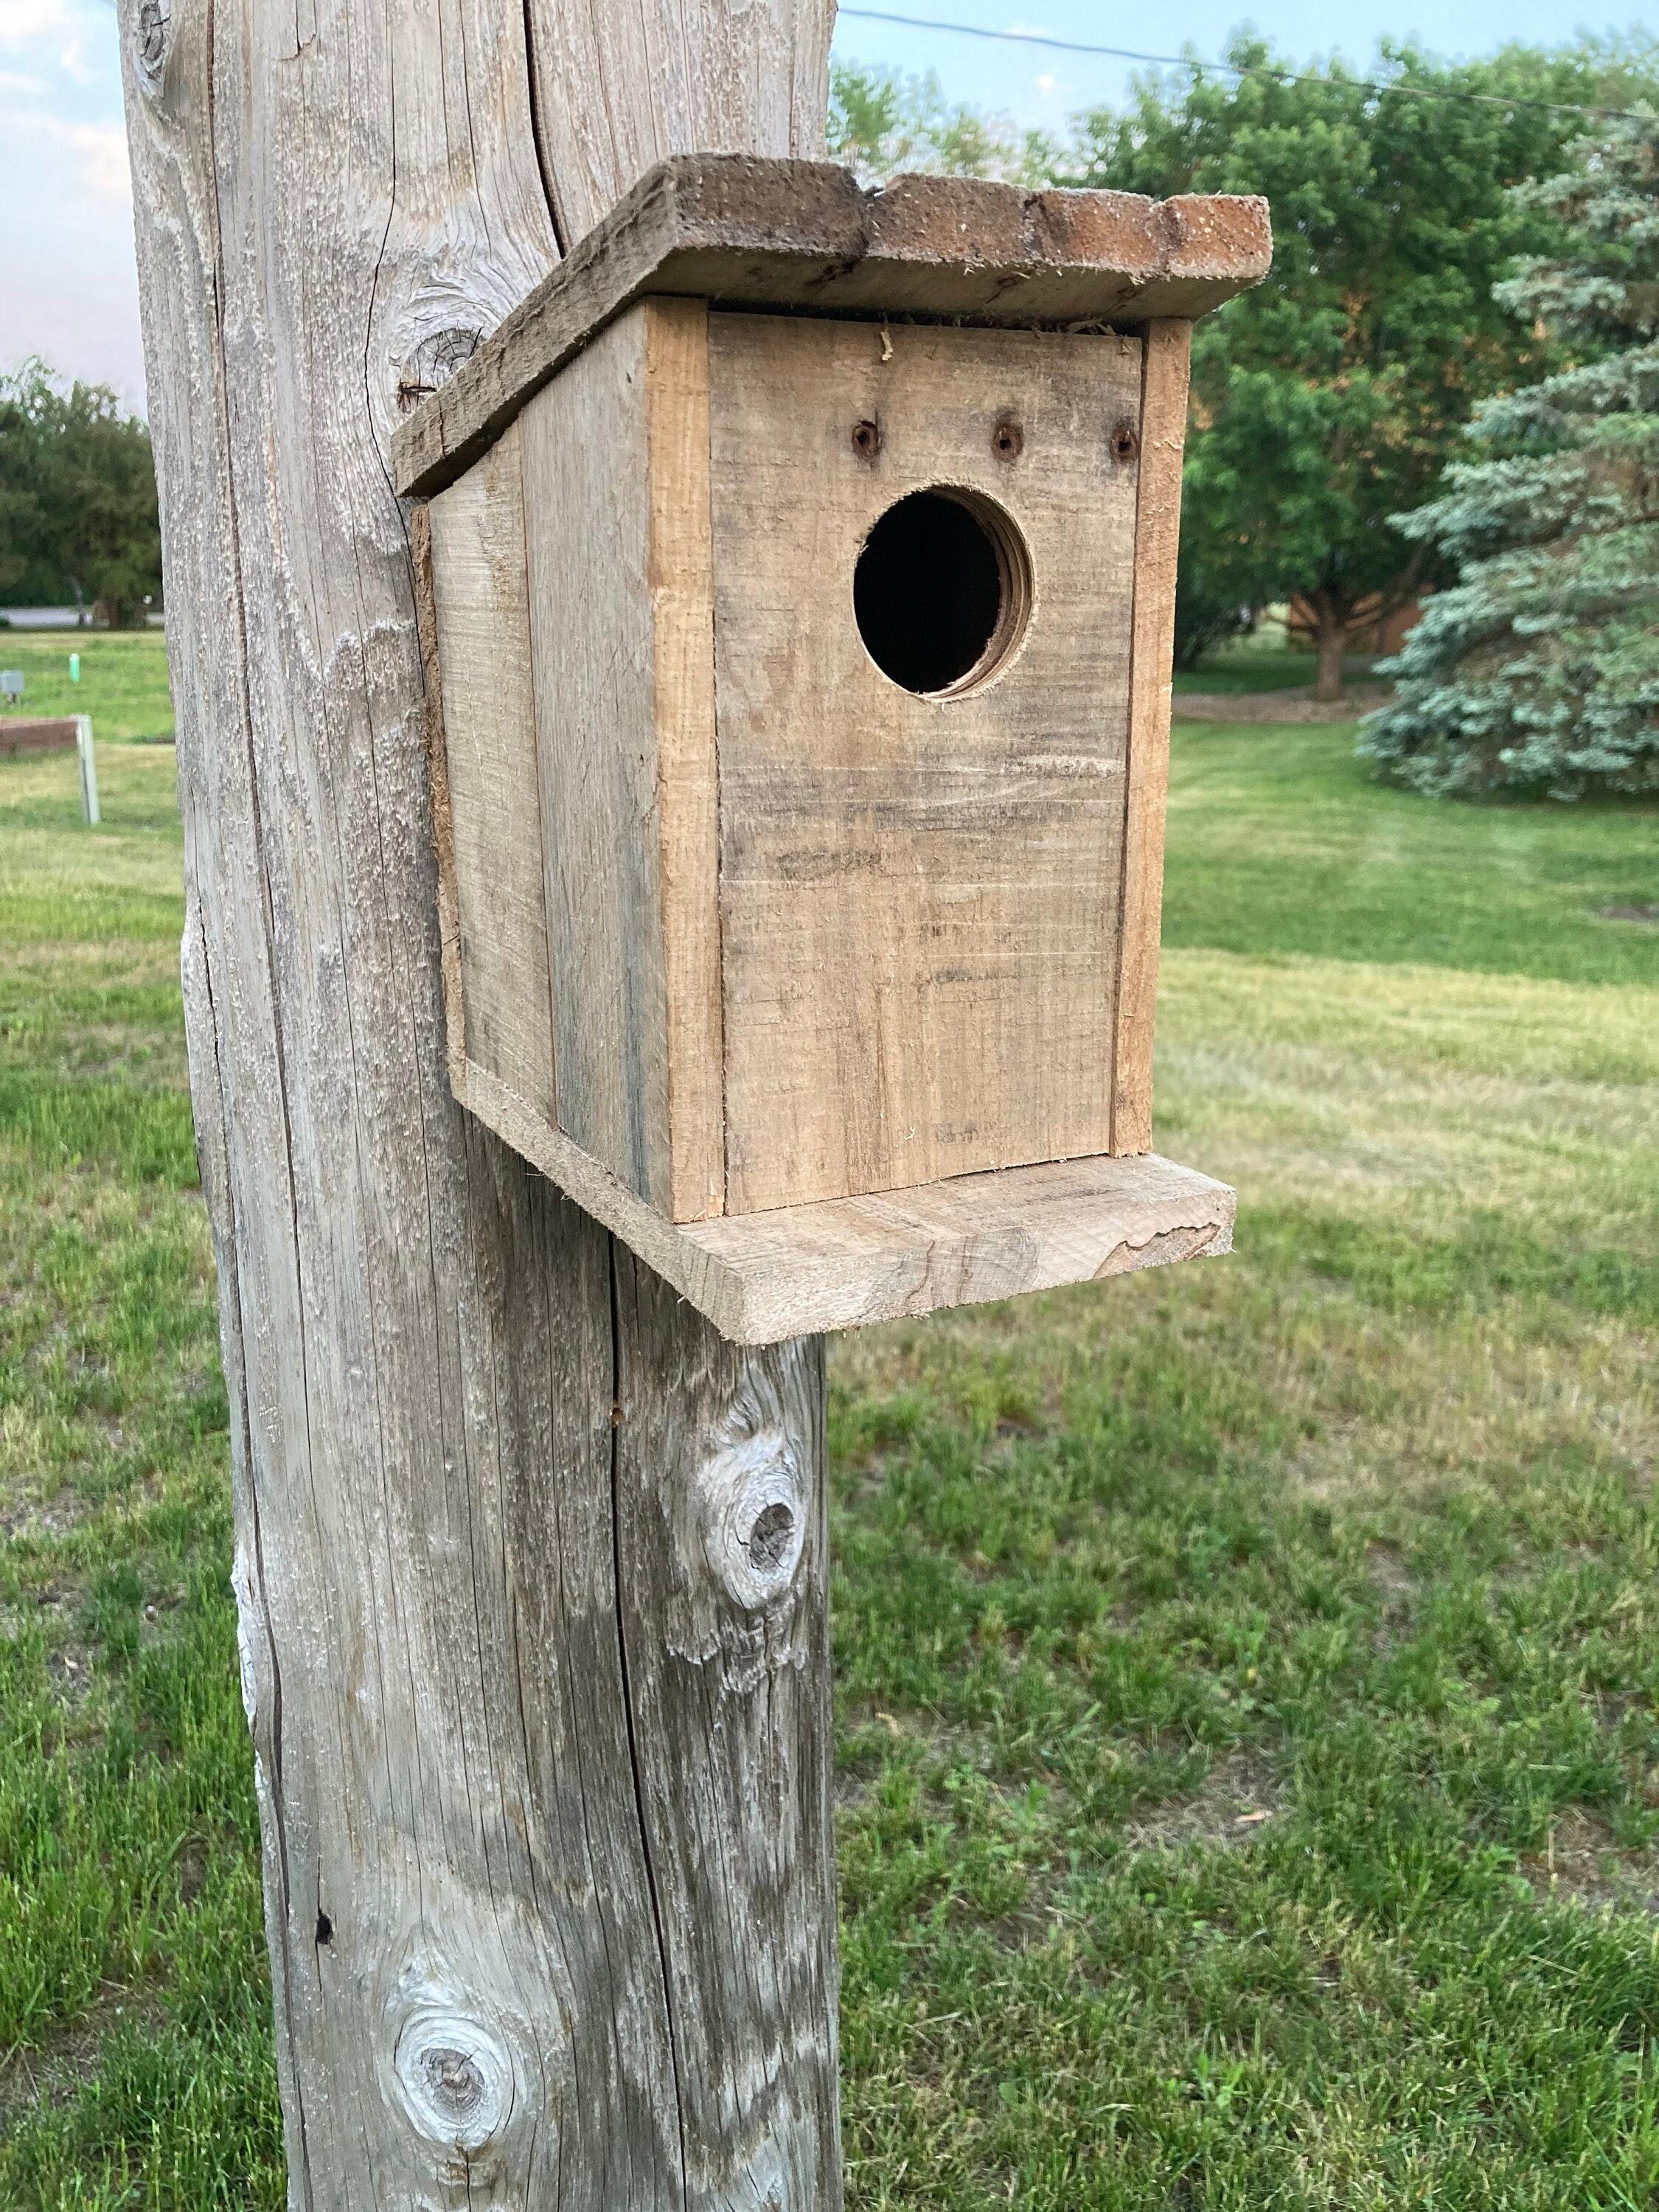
x: 769, y: 1540
x: 941, y: 591
x: 1008, y: 439
x: 866, y: 439
x: 1124, y: 444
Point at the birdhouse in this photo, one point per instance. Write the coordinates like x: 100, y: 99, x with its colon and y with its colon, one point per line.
x: 798, y: 571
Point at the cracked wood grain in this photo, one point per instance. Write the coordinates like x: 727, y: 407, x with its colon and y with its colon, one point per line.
x: 456, y: 1413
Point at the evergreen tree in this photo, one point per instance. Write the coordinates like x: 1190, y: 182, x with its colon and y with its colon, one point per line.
x: 1538, y: 672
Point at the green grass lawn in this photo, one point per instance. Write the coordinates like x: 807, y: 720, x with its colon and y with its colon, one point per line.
x: 124, y: 678
x: 1249, y: 1682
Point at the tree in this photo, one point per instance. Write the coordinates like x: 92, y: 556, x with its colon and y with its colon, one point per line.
x: 1330, y: 398
x: 1539, y: 672
x: 77, y: 494
x: 881, y: 123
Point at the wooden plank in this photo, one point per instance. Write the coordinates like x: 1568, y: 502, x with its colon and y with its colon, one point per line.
x: 492, y: 848
x: 1157, y: 532
x: 963, y: 1243
x: 918, y: 896
x: 586, y: 476
x: 682, y: 585
x: 761, y: 1278
x: 779, y: 233
x: 20, y: 733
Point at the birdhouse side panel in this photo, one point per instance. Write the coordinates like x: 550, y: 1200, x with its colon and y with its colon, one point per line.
x: 1158, y: 531
x: 503, y: 1021
x: 681, y: 577
x: 920, y: 894
x: 614, y: 454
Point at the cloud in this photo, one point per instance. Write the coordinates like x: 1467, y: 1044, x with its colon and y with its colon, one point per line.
x: 99, y: 152
x: 104, y: 162
x: 58, y: 25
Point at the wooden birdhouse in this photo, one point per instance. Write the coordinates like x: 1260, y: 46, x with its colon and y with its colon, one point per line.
x: 800, y: 593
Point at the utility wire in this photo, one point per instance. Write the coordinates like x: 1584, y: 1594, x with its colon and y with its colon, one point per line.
x: 1241, y: 69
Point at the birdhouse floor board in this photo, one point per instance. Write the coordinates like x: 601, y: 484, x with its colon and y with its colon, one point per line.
x: 795, y: 1270
x: 804, y: 235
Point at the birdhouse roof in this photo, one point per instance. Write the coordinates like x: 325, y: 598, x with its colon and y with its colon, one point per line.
x: 807, y: 237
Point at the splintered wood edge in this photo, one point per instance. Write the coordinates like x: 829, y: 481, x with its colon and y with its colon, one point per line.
x: 805, y: 235
x: 803, y: 1269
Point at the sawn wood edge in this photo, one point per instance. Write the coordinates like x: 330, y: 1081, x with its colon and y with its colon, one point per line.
x: 805, y: 235
x: 763, y: 1277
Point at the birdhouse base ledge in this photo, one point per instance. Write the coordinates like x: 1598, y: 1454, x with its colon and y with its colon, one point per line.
x: 798, y: 1270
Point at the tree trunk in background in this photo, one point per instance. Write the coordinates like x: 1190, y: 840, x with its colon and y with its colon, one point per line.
x: 542, y: 1723
x: 1331, y: 643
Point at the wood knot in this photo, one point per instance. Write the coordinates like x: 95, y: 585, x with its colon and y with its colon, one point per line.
x: 769, y: 1538
x: 752, y: 1509
x: 455, y: 2079
x: 434, y: 362
x: 152, y: 32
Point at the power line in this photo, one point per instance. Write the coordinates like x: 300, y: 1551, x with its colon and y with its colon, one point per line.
x: 1242, y: 69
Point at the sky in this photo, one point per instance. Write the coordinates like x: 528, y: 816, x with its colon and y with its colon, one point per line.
x: 68, y: 290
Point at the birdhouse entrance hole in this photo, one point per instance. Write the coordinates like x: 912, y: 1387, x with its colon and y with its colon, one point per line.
x: 941, y: 590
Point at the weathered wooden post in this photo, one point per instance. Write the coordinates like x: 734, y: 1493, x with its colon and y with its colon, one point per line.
x: 531, y: 1557
x: 527, y: 1951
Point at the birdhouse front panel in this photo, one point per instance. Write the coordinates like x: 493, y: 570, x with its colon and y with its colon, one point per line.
x: 798, y: 594
x: 924, y: 561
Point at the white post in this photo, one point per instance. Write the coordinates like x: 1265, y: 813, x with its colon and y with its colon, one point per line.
x: 88, y: 771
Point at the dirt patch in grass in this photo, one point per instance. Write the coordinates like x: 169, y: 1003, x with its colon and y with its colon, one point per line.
x: 1241, y: 1794
x: 1583, y: 1861
x: 51, y: 2070
x: 1299, y: 707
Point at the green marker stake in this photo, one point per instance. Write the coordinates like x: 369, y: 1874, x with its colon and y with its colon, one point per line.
x: 74, y: 668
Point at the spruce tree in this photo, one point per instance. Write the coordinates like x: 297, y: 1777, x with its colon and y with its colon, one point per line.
x: 1538, y: 672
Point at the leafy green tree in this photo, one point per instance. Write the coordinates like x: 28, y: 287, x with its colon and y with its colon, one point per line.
x: 78, y: 495
x: 881, y: 123
x: 1540, y: 672
x: 1331, y: 398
